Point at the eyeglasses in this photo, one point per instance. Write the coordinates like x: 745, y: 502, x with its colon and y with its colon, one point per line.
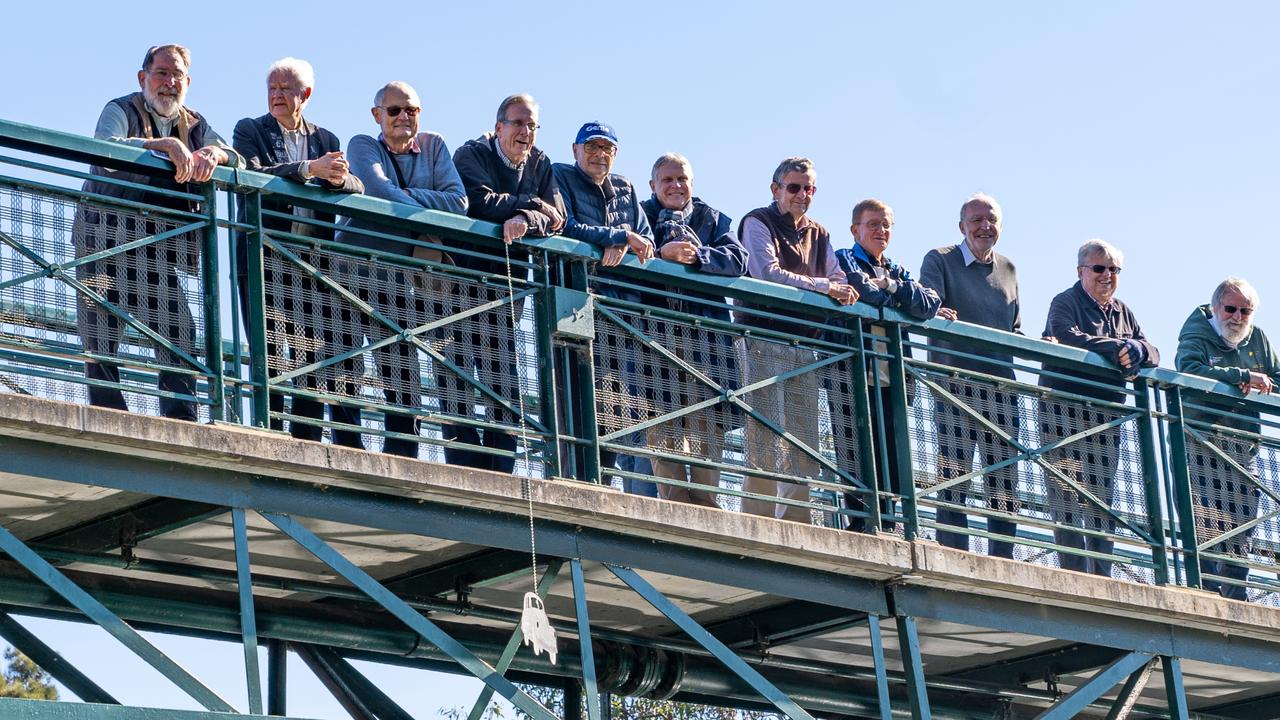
x: 873, y: 224
x: 600, y: 148
x: 395, y: 110
x: 1232, y: 310
x: 795, y: 188
x: 1099, y: 269
x: 521, y: 125
x: 174, y: 75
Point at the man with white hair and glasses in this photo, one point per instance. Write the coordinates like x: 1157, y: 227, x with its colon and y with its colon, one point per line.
x: 1219, y: 341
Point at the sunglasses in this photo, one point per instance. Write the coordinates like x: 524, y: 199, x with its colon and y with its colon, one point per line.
x: 395, y: 110
x: 1232, y: 310
x: 794, y: 188
x: 1099, y: 269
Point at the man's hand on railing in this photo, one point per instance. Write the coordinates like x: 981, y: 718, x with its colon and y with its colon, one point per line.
x: 1257, y: 381
x: 680, y: 251
x: 514, y: 229
x: 842, y: 293
x: 204, y: 161
x: 178, y: 154
x: 332, y: 167
x: 947, y: 313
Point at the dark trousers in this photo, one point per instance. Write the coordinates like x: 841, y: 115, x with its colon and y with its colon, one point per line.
x: 896, y: 477
x: 145, y: 283
x: 1091, y: 462
x: 958, y: 436
x: 487, y: 352
x: 1224, y: 500
x: 295, y: 317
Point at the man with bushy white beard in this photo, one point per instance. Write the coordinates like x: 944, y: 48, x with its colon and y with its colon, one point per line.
x: 145, y: 281
x: 1219, y: 341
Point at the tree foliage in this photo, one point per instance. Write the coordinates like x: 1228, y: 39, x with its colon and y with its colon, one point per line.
x: 25, y: 679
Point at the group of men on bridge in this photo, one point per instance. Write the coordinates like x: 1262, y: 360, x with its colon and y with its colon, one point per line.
x: 503, y: 177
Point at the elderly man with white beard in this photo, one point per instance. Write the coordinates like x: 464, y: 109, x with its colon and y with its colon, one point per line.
x: 1219, y: 341
x: 144, y: 282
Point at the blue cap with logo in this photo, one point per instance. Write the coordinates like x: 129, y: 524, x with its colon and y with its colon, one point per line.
x: 593, y: 130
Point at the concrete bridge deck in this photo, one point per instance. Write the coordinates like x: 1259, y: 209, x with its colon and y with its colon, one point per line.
x: 87, y: 487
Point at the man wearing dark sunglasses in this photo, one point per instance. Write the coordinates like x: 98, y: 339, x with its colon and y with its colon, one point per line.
x: 785, y: 246
x: 413, y: 168
x: 1088, y: 315
x: 1219, y: 341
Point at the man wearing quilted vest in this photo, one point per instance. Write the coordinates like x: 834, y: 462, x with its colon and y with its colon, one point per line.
x: 785, y: 246
x: 147, y: 284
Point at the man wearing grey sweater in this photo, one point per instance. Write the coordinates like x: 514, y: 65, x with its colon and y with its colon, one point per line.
x: 979, y: 286
x: 414, y: 168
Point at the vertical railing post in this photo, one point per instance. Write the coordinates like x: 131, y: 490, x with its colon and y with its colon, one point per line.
x: 544, y: 325
x: 255, y: 297
x: 1151, y: 481
x: 583, y: 379
x: 277, y: 677
x: 212, y: 308
x: 1182, y: 485
x: 862, y: 425
x: 898, y: 398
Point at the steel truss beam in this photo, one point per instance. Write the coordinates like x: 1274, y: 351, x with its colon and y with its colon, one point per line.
x: 53, y: 663
x: 108, y: 621
x: 1131, y: 691
x: 354, y: 692
x: 1102, y: 681
x: 485, y: 528
x: 783, y: 624
x: 705, y: 639
x: 397, y: 607
x: 13, y: 709
x: 1062, y: 660
x: 1094, y: 628
x: 130, y: 526
x: 468, y: 571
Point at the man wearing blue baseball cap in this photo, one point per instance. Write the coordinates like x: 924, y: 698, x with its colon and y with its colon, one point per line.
x: 603, y: 210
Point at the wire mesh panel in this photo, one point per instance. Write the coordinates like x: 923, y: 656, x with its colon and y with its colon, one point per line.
x: 137, y: 314
x: 660, y: 384
x: 408, y: 342
x: 1233, y: 483
x: 1062, y: 478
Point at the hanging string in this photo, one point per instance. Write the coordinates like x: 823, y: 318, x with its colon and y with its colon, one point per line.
x: 525, y: 485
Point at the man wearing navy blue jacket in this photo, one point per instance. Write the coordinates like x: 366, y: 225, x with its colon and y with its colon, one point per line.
x: 883, y: 283
x: 602, y: 209
x: 690, y: 232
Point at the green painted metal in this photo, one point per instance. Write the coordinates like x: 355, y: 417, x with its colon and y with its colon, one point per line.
x: 913, y: 667
x: 116, y: 627
x: 397, y: 607
x: 517, y: 637
x: 1182, y: 486
x: 722, y: 653
x: 549, y: 397
x: 882, y: 676
x: 257, y: 329
x: 212, y: 306
x: 873, y: 479
x: 1095, y: 687
x: 13, y: 709
x: 1174, y: 689
x: 248, y: 624
x: 1151, y: 483
x: 52, y: 662
x: 353, y: 689
x: 277, y: 677
x: 1132, y: 690
x: 586, y: 653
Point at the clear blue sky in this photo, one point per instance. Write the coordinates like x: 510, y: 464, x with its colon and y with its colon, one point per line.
x: 1151, y: 125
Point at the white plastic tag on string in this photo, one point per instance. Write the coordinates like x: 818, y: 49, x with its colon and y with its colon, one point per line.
x: 537, y: 628
x: 534, y: 623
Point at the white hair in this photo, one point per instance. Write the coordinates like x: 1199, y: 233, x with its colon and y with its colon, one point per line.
x: 1241, y: 286
x: 985, y: 199
x: 300, y: 69
x: 400, y: 85
x: 1097, y: 246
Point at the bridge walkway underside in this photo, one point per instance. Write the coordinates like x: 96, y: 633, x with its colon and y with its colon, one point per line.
x: 138, y: 511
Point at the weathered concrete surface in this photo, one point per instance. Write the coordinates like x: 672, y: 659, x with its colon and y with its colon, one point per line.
x: 874, y: 557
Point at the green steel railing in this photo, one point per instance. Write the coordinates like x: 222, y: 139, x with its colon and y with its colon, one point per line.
x: 728, y: 392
